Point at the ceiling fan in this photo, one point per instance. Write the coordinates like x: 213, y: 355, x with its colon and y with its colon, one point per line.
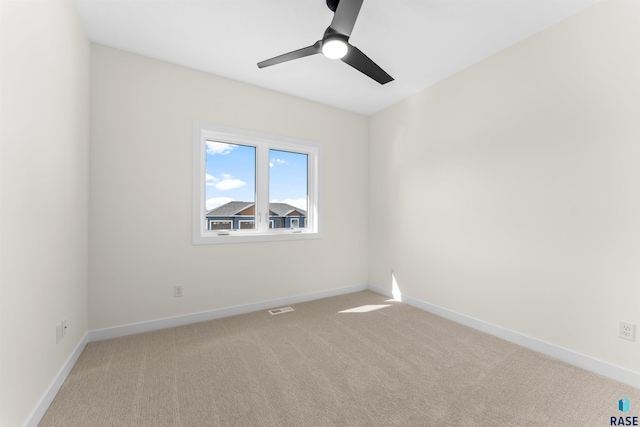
x: 335, y: 43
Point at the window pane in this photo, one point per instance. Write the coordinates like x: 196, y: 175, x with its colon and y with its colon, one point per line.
x: 230, y: 186
x: 288, y: 186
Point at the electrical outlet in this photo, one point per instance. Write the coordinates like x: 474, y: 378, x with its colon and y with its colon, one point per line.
x: 61, y: 330
x: 627, y: 331
x: 177, y: 291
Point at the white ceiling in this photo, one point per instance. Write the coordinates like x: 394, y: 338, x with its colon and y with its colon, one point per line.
x: 418, y: 42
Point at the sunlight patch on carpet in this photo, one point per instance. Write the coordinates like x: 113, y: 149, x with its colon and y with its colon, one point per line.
x: 365, y: 308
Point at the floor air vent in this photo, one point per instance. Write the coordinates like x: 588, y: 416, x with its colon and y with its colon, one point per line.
x: 280, y: 310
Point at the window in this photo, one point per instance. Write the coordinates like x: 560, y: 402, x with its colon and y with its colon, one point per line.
x: 250, y: 187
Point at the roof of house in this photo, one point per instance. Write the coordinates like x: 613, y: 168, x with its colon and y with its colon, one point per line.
x: 284, y: 209
x: 229, y: 209
x: 233, y: 208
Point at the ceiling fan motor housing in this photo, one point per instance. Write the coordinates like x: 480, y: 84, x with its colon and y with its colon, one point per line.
x: 330, y: 33
x: 333, y: 4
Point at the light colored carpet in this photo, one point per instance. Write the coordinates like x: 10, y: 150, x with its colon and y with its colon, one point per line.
x: 396, y: 365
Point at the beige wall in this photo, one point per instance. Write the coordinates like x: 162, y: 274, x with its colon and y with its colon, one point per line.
x: 44, y: 197
x: 510, y: 192
x: 142, y: 112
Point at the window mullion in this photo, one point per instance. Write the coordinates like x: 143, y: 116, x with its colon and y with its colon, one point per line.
x: 262, y: 189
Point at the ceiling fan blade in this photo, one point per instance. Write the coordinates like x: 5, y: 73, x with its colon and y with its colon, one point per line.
x: 344, y: 18
x: 296, y: 54
x: 365, y: 65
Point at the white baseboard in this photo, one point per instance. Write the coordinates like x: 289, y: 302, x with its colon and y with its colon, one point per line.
x: 154, y: 325
x: 41, y: 407
x: 571, y: 357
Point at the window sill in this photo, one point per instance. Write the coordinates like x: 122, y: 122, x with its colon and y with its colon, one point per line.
x: 213, y: 238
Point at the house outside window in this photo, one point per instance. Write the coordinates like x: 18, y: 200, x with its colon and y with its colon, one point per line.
x: 219, y: 225
x: 232, y: 215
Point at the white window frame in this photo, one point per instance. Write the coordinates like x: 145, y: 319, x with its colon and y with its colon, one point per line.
x: 291, y: 222
x: 203, y: 132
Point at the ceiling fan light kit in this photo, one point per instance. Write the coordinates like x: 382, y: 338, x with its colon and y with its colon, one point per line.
x: 335, y: 43
x: 334, y: 48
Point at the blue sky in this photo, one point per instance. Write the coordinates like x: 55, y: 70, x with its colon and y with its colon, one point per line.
x: 230, y: 175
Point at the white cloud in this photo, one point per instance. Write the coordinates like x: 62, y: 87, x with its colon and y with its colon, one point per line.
x: 298, y: 203
x: 212, y: 180
x: 229, y: 183
x: 274, y: 162
x: 217, y: 201
x: 214, y: 147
